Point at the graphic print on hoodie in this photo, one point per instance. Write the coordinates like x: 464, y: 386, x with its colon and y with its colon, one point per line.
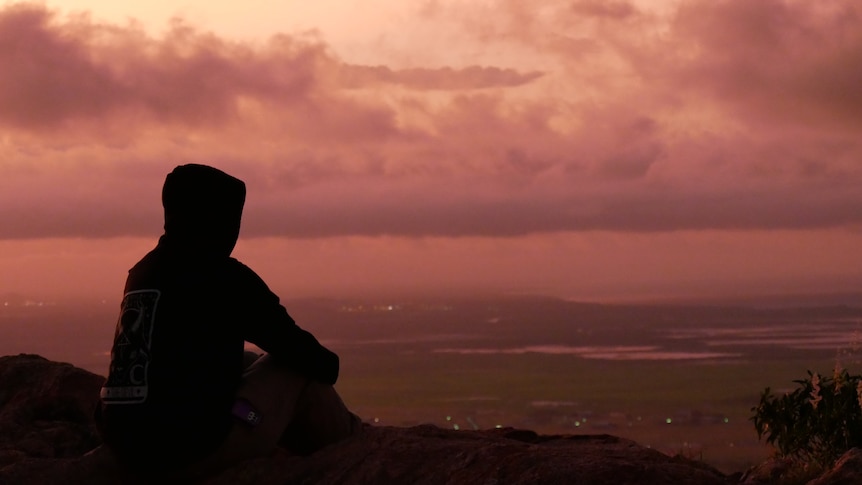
x: 130, y: 360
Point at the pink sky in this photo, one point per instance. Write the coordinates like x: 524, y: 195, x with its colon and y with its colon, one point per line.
x: 586, y: 149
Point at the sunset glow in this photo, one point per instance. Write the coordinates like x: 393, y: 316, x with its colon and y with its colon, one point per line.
x: 589, y: 149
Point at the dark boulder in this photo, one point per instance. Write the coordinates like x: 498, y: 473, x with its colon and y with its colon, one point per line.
x: 46, y: 408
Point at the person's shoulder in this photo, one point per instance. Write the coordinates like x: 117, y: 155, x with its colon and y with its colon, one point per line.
x: 245, y: 278
x: 238, y: 265
x: 239, y: 268
x: 152, y: 260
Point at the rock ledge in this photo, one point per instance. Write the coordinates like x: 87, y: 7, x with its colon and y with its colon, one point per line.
x: 46, y: 432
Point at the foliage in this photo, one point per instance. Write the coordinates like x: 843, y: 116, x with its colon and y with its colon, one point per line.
x: 817, y: 422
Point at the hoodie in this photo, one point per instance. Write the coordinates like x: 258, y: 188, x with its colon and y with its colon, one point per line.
x: 187, y: 310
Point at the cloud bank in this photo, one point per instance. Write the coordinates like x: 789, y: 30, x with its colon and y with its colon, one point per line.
x: 581, y: 116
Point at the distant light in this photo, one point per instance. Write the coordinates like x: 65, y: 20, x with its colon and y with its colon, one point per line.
x: 726, y: 420
x: 448, y: 418
x: 376, y: 420
x: 668, y: 420
x: 577, y: 424
x: 456, y: 427
x: 499, y: 426
x: 390, y: 308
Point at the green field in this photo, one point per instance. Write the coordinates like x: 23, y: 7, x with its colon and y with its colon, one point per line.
x: 708, y: 406
x: 699, y: 407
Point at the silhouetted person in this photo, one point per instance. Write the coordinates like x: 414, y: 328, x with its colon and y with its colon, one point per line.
x: 180, y: 395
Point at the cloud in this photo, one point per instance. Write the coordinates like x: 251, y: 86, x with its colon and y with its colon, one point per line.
x: 606, y: 116
x: 775, y: 60
x: 76, y: 69
x: 609, y: 9
x: 446, y: 78
x: 72, y: 69
x: 46, y: 78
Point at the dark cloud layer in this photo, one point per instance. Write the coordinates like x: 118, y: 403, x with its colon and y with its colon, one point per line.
x: 718, y: 115
x: 356, y: 208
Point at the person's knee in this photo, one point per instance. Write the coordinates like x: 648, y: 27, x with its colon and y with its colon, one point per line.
x: 249, y: 358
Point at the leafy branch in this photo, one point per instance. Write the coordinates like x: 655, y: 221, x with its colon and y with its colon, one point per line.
x: 817, y: 422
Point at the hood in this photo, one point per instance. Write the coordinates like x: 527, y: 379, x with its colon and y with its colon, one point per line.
x: 203, y: 209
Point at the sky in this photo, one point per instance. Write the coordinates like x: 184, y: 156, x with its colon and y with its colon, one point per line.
x: 594, y: 150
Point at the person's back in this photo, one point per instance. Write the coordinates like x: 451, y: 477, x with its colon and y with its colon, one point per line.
x: 177, y: 360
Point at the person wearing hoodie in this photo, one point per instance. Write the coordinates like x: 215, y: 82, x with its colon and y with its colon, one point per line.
x: 180, y: 393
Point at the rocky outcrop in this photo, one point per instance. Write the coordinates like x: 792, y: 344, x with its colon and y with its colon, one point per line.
x: 46, y: 408
x: 46, y: 432
x: 846, y: 471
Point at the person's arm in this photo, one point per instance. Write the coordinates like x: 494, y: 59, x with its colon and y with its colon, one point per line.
x: 269, y: 326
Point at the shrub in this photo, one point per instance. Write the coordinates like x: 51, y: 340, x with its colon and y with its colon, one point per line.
x: 817, y: 422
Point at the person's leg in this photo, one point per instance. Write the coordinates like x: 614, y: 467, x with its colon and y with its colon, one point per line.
x: 249, y: 358
x: 320, y: 419
x: 309, y: 415
x: 273, y: 391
